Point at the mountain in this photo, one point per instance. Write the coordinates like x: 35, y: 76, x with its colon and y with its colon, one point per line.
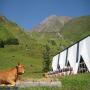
x: 10, y: 30
x: 57, y: 33
x: 68, y: 33
x: 76, y: 28
x: 4, y: 33
x: 52, y: 24
x: 27, y: 52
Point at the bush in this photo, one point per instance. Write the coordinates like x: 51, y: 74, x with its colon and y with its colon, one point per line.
x: 1, y: 44
x: 12, y: 41
x: 52, y: 42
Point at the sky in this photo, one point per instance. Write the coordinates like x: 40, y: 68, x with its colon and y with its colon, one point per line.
x: 29, y: 13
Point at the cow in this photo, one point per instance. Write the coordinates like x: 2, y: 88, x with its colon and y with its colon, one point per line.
x: 10, y: 76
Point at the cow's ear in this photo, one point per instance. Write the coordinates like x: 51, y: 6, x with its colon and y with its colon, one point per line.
x: 18, y: 63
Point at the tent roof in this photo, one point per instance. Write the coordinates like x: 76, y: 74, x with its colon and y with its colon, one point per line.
x: 74, y: 44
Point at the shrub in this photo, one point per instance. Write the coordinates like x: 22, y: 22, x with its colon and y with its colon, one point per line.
x: 12, y: 41
x: 1, y: 44
x: 52, y: 42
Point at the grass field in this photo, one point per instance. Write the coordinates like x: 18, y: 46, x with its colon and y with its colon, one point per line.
x: 29, y: 51
x: 76, y: 82
x: 73, y: 82
x: 11, y: 55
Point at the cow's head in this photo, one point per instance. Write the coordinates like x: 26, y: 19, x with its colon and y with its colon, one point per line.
x: 20, y: 69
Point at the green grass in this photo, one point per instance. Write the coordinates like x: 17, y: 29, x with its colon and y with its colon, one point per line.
x: 76, y: 82
x: 29, y: 51
x: 30, y: 48
x: 10, y: 56
x: 76, y: 28
x: 72, y: 82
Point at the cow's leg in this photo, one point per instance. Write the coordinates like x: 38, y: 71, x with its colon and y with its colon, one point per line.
x: 12, y: 83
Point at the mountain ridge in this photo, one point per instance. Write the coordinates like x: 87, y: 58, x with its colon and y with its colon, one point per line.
x: 11, y: 30
x: 50, y: 24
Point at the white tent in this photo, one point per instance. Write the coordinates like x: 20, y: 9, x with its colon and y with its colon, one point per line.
x: 55, y: 62
x: 62, y: 59
x: 72, y: 56
x: 77, y: 55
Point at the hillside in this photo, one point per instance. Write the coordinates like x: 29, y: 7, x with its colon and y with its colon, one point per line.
x: 31, y: 44
x: 28, y: 51
x: 52, y: 24
x: 72, y: 31
x: 10, y: 29
x: 3, y: 30
x: 47, y: 32
x: 76, y: 28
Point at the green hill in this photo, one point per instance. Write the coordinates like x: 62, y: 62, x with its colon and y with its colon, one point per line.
x: 26, y: 52
x: 30, y: 48
x: 72, y: 31
x: 63, y: 36
x: 76, y: 28
x: 4, y: 33
x: 10, y: 29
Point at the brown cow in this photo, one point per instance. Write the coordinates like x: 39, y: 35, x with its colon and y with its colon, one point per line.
x: 11, y: 76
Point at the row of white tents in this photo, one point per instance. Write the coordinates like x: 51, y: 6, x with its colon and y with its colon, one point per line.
x: 76, y: 56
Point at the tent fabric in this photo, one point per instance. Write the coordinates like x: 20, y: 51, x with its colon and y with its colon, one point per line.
x: 81, y: 48
x: 72, y: 54
x: 55, y: 63
x: 84, y: 51
x: 62, y: 59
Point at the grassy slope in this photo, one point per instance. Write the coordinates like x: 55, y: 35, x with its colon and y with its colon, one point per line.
x: 44, y: 38
x: 77, y: 28
x: 24, y: 52
x: 30, y: 49
x: 71, y: 32
x: 4, y: 33
x: 76, y: 82
x: 11, y: 55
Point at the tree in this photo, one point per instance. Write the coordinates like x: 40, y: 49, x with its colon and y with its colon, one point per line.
x: 1, y: 44
x: 46, y: 58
